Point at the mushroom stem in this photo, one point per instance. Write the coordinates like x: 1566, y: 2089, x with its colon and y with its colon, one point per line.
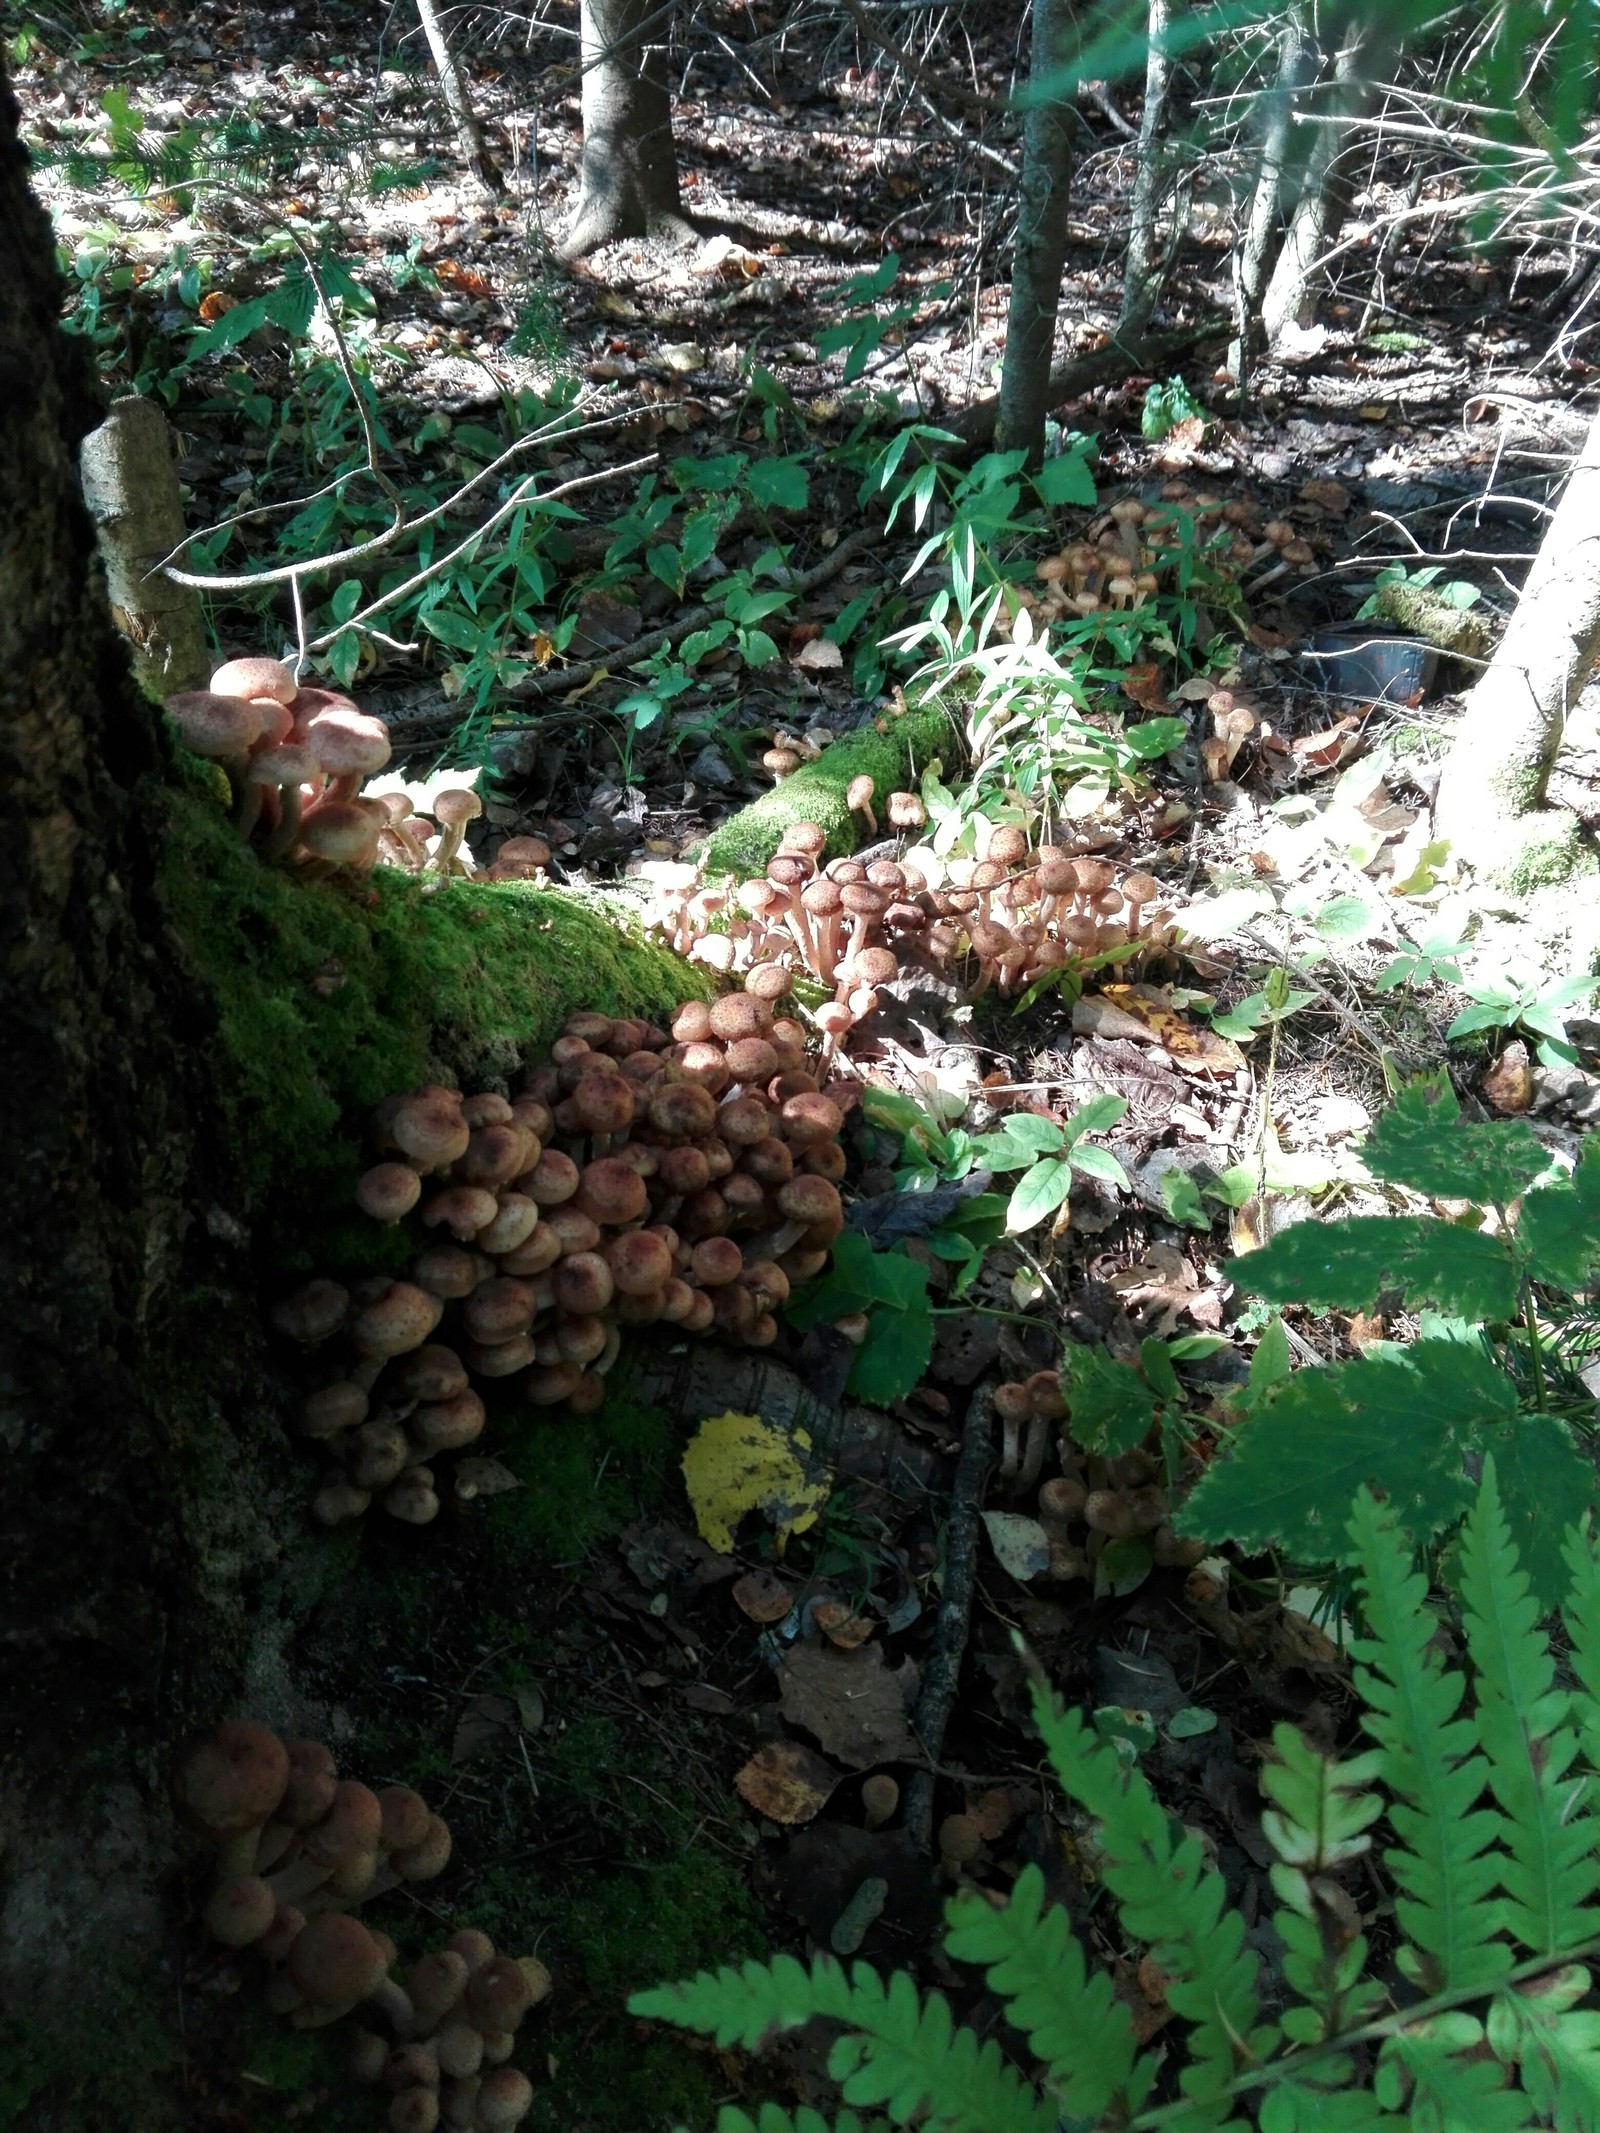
x: 287, y: 831
x: 293, y: 1883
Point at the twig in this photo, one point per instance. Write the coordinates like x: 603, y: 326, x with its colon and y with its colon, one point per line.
x: 943, y: 1670
x: 1113, y: 360
x: 928, y: 78
x: 626, y: 655
x: 1303, y: 976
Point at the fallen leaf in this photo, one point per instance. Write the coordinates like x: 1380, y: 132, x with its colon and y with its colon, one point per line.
x: 530, y: 1706
x: 820, y: 655
x: 1508, y: 1084
x: 700, y: 1696
x: 615, y: 305
x: 841, y: 1625
x: 786, y: 1782
x: 724, y: 256
x: 1330, y: 496
x: 683, y: 356
x: 763, y: 1597
x: 1374, y: 411
x: 1363, y: 1330
x: 214, y: 303
x: 1188, y: 1045
x: 484, y: 1477
x: 485, y: 1727
x: 738, y: 1463
x: 851, y: 1702
x: 1326, y: 751
x: 1021, y: 1545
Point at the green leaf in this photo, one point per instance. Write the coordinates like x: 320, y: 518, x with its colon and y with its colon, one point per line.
x: 1153, y: 737
x: 1559, y: 1226
x: 1487, y: 1015
x: 1180, y: 1196
x: 1422, y: 1141
x: 1099, y: 1113
x: 1343, y: 1265
x: 1348, y: 918
x: 1099, y: 1163
x: 1109, y: 1405
x: 778, y: 484
x: 1039, y: 1192
x: 291, y: 304
x: 1066, y: 480
x: 1233, y: 1187
x: 1400, y: 1423
x: 1025, y: 1129
x: 1541, y: 1468
x: 894, y: 1354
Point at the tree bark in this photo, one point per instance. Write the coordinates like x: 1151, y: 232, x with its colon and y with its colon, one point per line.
x: 1493, y: 786
x: 1041, y: 244
x: 1324, y: 201
x: 629, y: 172
x: 1257, y: 249
x: 1143, y: 266
x: 481, y: 166
x: 130, y: 483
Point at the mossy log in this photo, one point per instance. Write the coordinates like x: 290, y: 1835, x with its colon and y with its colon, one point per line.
x: 894, y: 748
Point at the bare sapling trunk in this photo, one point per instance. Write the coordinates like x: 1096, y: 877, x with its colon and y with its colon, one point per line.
x: 480, y: 165
x: 1259, y: 240
x: 130, y: 483
x: 1491, y: 794
x: 629, y: 172
x: 1319, y: 213
x: 1144, y: 267
x: 1041, y: 244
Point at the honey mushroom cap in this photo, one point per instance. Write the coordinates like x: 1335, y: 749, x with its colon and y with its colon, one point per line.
x: 640, y: 1263
x: 335, y: 1961
x: 388, y: 1191
x: 611, y: 1192
x: 429, y: 1127
x: 239, y: 1912
x: 583, y: 1284
x: 255, y: 675
x: 223, y: 729
x: 313, y: 1312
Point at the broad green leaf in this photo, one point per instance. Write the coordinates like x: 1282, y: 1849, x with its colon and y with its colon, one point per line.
x: 1026, y: 1129
x: 1343, y: 1265
x: 1110, y: 1408
x: 894, y: 1354
x: 1397, y: 1423
x: 1099, y: 1113
x: 1421, y: 1140
x: 1348, y: 918
x: 1180, y: 1196
x: 1039, y: 1192
x: 1547, y: 1484
x: 1066, y: 480
x: 1559, y: 1227
x: 777, y: 484
x: 1096, y: 1162
x: 1233, y: 1187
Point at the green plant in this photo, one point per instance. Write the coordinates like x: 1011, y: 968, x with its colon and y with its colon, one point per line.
x: 1165, y: 406
x: 1436, y: 956
x: 1046, y: 1150
x: 1540, y: 1007
x: 1272, y: 1003
x: 1481, y: 1775
x: 889, y: 1290
x: 1458, y: 593
x: 1498, y: 1377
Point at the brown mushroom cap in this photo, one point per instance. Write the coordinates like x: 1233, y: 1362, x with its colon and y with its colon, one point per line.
x: 640, y: 1263
x: 446, y: 1271
x: 860, y: 792
x: 429, y: 1128
x: 221, y: 728
x: 504, y: 2099
x: 583, y: 1283
x: 810, y: 1118
x: 498, y: 1994
x: 611, y: 1192
x: 446, y: 1425
x: 435, y: 1984
x: 335, y: 1961
x: 553, y: 1179
x: 573, y: 1230
x: 499, y: 1309
x: 751, y: 1060
x: 462, y: 1209
x: 387, y: 1191
x: 807, y: 838
x: 401, y: 1319
x: 683, y: 1110
x: 313, y: 1783
x: 692, y: 1022
x: 812, y: 1201
x: 714, y: 1262
x: 740, y: 1014
x: 1008, y: 847
x: 767, y: 982
x: 743, y: 1120
x: 405, y: 1818
x: 240, y: 1911
x: 233, y: 1782
x: 603, y: 1103
x: 332, y: 1408
x: 255, y: 676
x: 315, y: 1311
x: 906, y: 810
x: 456, y: 806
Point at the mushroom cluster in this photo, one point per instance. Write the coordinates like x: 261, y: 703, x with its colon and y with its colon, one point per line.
x: 634, y: 1178
x: 1008, y: 919
x: 296, y: 759
x: 1092, y: 1500
x: 296, y: 1848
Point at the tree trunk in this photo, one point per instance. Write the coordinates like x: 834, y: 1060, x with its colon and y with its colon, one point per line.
x: 130, y: 483
x: 481, y: 166
x: 1144, y: 268
x: 1493, y: 787
x: 1324, y: 200
x: 629, y: 174
x: 1257, y: 249
x: 1041, y: 244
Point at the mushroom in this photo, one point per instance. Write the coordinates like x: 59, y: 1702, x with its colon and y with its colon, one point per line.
x: 230, y: 1786
x: 453, y: 808
x: 859, y: 796
x: 388, y: 1191
x: 906, y: 811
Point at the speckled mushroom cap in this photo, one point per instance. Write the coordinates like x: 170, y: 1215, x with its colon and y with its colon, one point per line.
x: 335, y: 1961
x: 233, y: 1781
x: 221, y: 728
x: 347, y: 743
x: 255, y: 677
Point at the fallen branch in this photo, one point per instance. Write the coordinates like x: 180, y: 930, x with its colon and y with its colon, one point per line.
x: 626, y: 655
x: 942, y: 1672
x: 1114, y: 359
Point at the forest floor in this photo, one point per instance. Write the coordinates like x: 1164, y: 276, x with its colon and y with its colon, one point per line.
x: 569, y: 1671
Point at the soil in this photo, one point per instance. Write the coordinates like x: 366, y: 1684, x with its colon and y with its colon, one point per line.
x: 565, y: 1669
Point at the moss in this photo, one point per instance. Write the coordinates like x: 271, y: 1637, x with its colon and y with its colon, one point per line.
x: 327, y: 997
x: 893, y: 750
x: 50, y: 2084
x: 1540, y: 850
x: 1461, y: 632
x: 587, y: 1475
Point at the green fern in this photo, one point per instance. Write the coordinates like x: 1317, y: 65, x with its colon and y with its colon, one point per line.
x: 1482, y: 1778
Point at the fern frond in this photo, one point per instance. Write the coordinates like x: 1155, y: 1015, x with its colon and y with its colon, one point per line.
x: 771, y: 2119
x: 1078, y: 2028
x: 1170, y: 1899
x: 1296, y: 2107
x: 1443, y: 1862
x: 1581, y: 1615
x: 1557, y: 2049
x: 1319, y: 1823
x: 1455, y: 2085
x: 899, y: 2051
x: 1550, y: 1873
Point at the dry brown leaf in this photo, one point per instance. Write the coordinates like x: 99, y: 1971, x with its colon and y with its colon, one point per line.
x: 849, y: 1700
x: 701, y: 1696
x: 1144, y: 686
x: 762, y: 1596
x: 484, y: 1477
x: 1508, y: 1084
x: 820, y: 656
x: 1331, y: 496
x: 841, y: 1625
x: 485, y: 1727
x: 786, y: 1782
x: 1187, y: 1044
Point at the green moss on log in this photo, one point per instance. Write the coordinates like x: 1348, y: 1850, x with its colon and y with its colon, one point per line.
x: 893, y: 749
x: 1460, y: 631
x: 327, y: 996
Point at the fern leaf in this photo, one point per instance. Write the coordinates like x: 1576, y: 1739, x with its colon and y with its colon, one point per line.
x: 745, y: 2005
x: 1079, y: 2030
x: 1550, y: 1872
x: 1581, y: 1616
x: 1296, y: 2107
x: 1456, y: 2087
x: 1395, y: 1422
x: 1318, y: 1823
x: 1443, y: 1862
x: 1541, y: 1471
x: 907, y: 2055
x: 1169, y: 1898
x: 1557, y: 2049
x: 771, y: 2118
x: 1421, y: 1141
x: 1559, y: 1226
x: 1341, y: 1265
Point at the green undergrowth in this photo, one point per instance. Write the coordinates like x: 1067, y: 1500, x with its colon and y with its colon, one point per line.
x: 893, y: 749
x: 327, y: 997
x: 49, y: 2081
x: 587, y: 1475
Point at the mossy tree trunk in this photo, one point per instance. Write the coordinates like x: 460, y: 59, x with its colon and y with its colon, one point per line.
x: 128, y: 1470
